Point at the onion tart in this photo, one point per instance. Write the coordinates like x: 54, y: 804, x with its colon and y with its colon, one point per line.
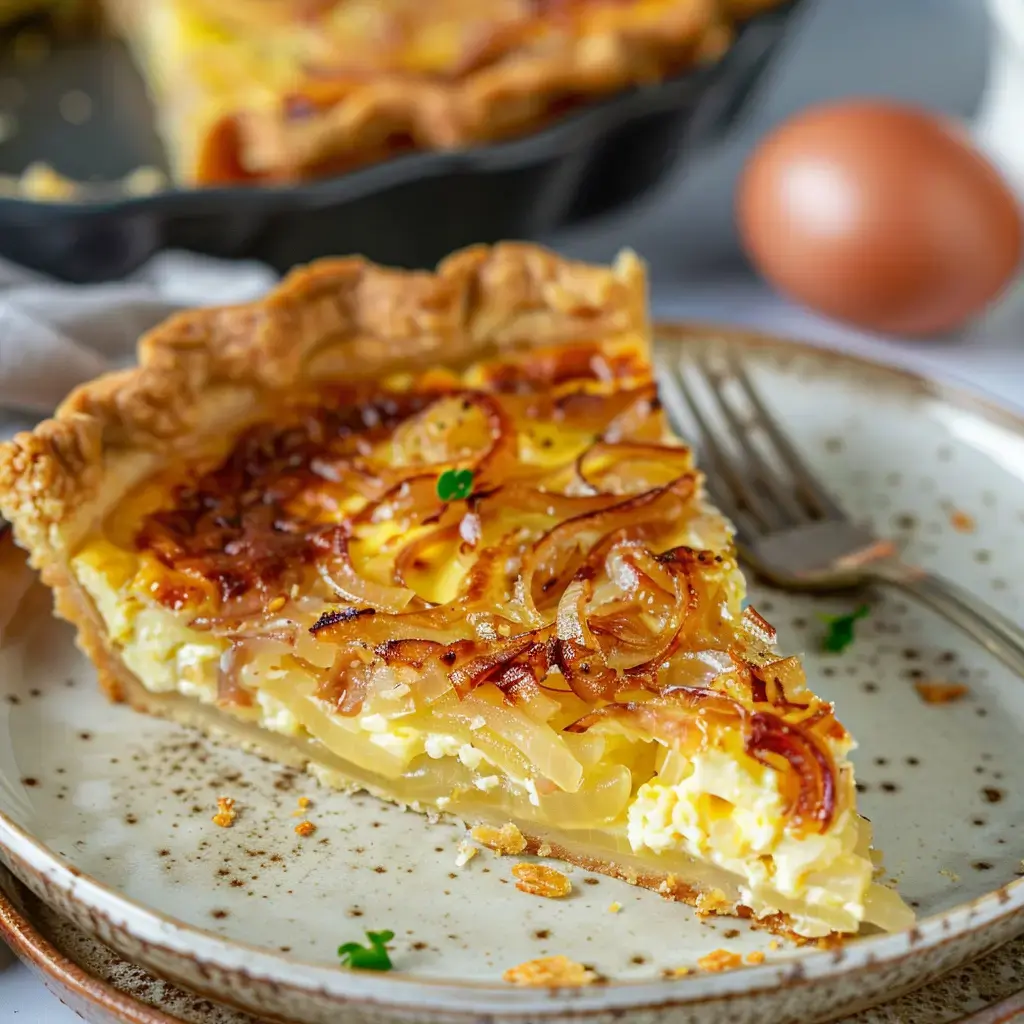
x: 429, y: 535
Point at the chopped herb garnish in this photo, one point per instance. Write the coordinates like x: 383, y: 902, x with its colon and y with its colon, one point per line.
x: 373, y: 957
x: 455, y: 484
x: 840, y: 629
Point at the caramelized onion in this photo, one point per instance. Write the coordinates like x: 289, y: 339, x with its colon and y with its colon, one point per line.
x: 413, y: 557
x: 635, y: 422
x: 544, y: 748
x: 689, y: 716
x: 682, y: 715
x: 345, y: 684
x: 411, y: 501
x: 585, y: 670
x: 559, y: 553
x: 230, y: 691
x: 339, y: 574
x: 814, y: 783
x: 630, y: 467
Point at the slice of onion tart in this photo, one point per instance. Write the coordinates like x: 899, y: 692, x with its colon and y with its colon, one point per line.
x: 429, y: 535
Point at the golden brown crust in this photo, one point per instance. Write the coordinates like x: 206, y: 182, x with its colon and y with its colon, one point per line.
x: 473, y: 74
x: 523, y: 92
x: 207, y: 370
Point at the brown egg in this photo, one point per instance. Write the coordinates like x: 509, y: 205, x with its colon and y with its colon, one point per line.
x: 880, y: 215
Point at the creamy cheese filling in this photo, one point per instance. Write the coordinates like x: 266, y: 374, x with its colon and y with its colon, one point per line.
x: 727, y: 809
x: 721, y: 807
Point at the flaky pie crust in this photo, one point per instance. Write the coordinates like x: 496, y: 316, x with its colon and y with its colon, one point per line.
x: 212, y: 370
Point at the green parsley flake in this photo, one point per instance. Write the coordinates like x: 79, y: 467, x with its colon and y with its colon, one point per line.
x: 455, y: 484
x: 373, y: 957
x: 840, y: 629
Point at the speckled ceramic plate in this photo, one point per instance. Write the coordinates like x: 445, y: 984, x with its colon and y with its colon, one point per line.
x: 103, y: 988
x: 106, y: 815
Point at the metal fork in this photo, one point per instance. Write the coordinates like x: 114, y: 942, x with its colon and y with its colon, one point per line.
x: 789, y: 528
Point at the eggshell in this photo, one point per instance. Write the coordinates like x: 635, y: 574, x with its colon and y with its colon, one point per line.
x: 880, y: 215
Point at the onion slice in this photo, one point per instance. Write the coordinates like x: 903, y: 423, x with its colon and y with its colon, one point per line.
x: 337, y: 571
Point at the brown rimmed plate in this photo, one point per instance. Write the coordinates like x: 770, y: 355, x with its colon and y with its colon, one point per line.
x: 106, y: 816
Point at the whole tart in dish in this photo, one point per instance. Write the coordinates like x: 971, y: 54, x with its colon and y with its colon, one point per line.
x: 429, y: 535
x: 283, y: 90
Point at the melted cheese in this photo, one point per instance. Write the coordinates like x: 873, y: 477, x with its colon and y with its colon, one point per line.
x: 728, y: 810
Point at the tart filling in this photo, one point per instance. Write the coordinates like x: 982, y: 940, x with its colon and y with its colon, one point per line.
x: 494, y: 588
x: 280, y: 90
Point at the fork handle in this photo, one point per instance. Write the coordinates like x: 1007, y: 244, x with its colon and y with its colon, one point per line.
x: 990, y: 628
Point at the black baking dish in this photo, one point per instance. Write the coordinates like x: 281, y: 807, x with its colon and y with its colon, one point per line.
x: 409, y: 211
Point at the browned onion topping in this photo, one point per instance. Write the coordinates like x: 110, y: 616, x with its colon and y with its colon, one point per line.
x: 563, y: 577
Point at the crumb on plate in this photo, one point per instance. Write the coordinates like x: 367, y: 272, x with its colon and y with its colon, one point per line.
x: 226, y: 813
x: 755, y: 957
x: 305, y: 829
x: 540, y: 880
x: 713, y: 902
x: 961, y: 521
x: 676, y: 972
x: 550, y: 971
x: 614, y: 908
x: 720, y: 960
x: 940, y: 693
x: 505, y: 840
x: 466, y: 852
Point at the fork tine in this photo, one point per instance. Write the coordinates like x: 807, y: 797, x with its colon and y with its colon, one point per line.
x: 818, y: 499
x: 677, y: 396
x: 758, y: 467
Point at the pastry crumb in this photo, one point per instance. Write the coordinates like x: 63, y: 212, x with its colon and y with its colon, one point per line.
x: 544, y: 850
x: 962, y: 522
x: 550, y: 971
x: 614, y: 908
x: 304, y: 805
x: 713, y: 902
x: 503, y: 841
x: 467, y: 851
x: 720, y: 960
x: 774, y: 945
x: 540, y: 880
x: 940, y: 693
x: 305, y: 829
x: 676, y: 972
x: 756, y: 957
x: 226, y: 813
x: 667, y: 885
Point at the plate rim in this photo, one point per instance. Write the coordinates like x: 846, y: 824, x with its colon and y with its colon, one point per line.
x: 404, y: 991
x: 41, y: 956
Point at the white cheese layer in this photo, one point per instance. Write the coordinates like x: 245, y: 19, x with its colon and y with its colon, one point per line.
x: 729, y: 811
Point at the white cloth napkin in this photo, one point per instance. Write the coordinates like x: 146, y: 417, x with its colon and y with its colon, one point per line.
x: 54, y: 336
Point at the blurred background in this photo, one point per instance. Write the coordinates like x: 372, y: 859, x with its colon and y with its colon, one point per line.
x: 932, y: 53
